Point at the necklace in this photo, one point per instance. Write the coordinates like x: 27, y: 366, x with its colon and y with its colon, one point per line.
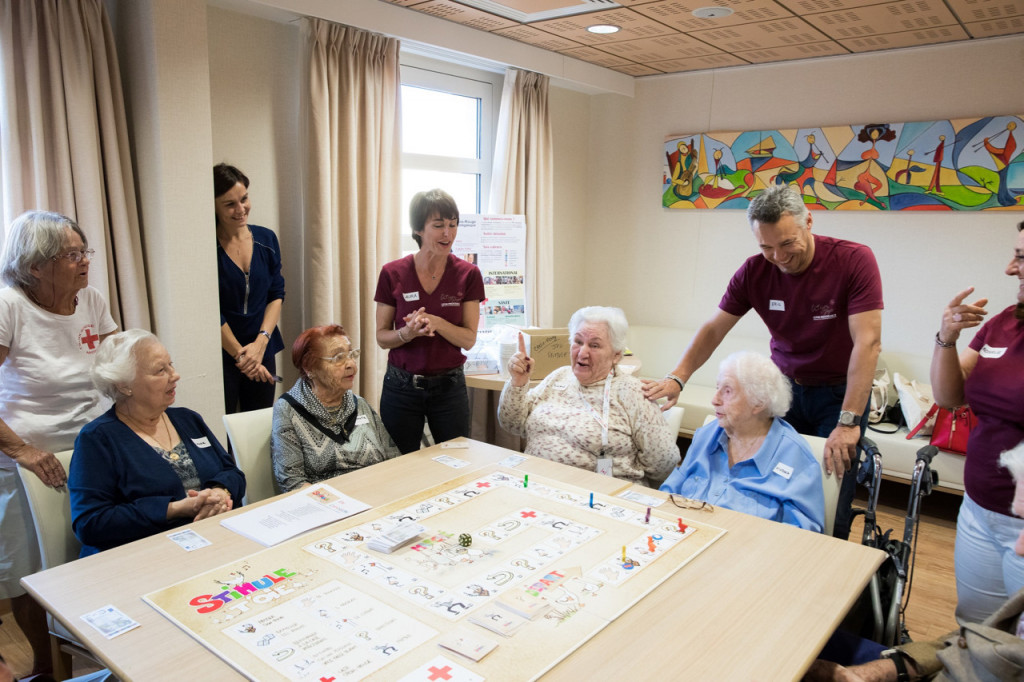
x: 139, y: 429
x: 427, y: 271
x: 50, y: 308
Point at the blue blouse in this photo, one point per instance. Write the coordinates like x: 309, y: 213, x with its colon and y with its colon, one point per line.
x: 244, y: 299
x: 120, y: 486
x: 782, y: 482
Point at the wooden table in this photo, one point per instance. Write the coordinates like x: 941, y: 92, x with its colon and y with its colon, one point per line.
x: 758, y: 604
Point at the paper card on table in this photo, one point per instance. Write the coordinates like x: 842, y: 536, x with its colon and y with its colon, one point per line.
x: 640, y: 498
x: 498, y: 620
x: 468, y: 644
x: 189, y: 540
x: 455, y: 445
x: 453, y: 462
x: 109, y: 621
x: 294, y: 514
x: 440, y: 668
x: 512, y: 461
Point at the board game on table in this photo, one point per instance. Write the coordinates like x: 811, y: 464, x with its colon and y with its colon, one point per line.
x: 546, y: 568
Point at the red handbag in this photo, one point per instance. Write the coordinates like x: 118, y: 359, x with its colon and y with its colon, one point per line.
x: 952, y: 427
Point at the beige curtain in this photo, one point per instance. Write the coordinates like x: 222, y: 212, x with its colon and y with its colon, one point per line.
x: 65, y: 145
x: 522, y: 181
x: 353, y: 182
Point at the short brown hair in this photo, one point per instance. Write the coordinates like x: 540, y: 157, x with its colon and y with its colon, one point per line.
x: 425, y: 205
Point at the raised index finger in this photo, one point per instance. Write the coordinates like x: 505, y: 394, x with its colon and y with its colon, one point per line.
x: 522, y: 344
x: 959, y: 298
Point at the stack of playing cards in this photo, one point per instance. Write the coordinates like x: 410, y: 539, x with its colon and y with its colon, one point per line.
x: 394, y: 538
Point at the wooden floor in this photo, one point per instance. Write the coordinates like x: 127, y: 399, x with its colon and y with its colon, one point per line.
x: 932, y: 599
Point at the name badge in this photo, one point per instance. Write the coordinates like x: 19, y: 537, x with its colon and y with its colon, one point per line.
x: 362, y: 420
x: 774, y: 304
x: 783, y: 470
x: 559, y: 386
x: 203, y: 442
x: 988, y: 351
x: 604, y: 465
x: 411, y: 296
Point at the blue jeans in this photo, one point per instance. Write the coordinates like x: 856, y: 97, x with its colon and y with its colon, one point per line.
x: 408, y: 400
x: 815, y: 412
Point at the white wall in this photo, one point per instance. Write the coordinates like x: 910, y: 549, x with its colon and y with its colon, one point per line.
x: 670, y: 267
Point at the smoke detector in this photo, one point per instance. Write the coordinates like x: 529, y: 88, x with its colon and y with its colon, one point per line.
x: 711, y: 12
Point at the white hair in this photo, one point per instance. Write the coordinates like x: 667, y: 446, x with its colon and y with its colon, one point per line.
x: 761, y: 381
x: 1013, y: 459
x: 34, y: 238
x: 613, y: 318
x: 116, y: 363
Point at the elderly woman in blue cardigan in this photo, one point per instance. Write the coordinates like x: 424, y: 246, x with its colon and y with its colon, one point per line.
x: 144, y: 467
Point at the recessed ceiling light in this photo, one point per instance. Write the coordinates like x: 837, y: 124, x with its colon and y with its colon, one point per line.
x: 603, y: 28
x: 711, y: 12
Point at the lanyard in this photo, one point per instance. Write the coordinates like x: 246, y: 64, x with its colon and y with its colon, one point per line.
x: 593, y: 413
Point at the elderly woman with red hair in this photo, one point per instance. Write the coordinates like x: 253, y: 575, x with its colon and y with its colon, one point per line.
x: 321, y: 428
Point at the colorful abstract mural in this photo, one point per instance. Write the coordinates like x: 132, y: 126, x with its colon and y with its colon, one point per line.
x: 957, y: 165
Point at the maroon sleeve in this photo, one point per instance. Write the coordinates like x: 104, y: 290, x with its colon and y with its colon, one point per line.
x: 385, y: 288
x: 735, y: 300
x: 865, y: 283
x: 475, y: 286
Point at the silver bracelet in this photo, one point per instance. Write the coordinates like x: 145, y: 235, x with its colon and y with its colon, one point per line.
x: 673, y: 377
x: 942, y: 344
x: 399, y: 330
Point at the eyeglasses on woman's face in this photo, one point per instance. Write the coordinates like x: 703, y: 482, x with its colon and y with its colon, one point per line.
x: 343, y: 356
x: 76, y: 255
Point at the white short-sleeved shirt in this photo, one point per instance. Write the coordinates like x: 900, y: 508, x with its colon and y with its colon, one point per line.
x: 46, y: 395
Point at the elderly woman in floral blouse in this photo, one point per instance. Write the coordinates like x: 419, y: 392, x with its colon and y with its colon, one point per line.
x: 590, y: 414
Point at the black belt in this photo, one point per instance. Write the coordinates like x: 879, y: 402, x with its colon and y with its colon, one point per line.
x: 425, y: 380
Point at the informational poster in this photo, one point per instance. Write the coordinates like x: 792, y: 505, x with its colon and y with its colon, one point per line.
x: 497, y: 245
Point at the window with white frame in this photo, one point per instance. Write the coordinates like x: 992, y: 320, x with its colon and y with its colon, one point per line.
x: 447, y: 137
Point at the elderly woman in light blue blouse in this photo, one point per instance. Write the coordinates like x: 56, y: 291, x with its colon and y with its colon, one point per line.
x: 750, y: 460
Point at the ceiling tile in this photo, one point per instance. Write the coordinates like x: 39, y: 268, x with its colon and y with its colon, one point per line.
x: 805, y: 7
x: 785, y: 53
x: 890, y: 41
x: 761, y: 35
x: 405, y: 3
x: 474, y: 18
x: 997, y: 27
x: 713, y: 61
x: 660, y: 48
x: 596, y: 56
x: 633, y: 26
x: 534, y: 36
x: 678, y: 13
x: 986, y: 10
x: 637, y: 70
x: 891, y: 17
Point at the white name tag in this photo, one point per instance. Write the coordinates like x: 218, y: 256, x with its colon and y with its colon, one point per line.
x: 203, y: 442
x: 777, y: 305
x: 988, y: 351
x: 411, y: 296
x: 559, y: 386
x: 783, y: 470
x: 362, y: 420
x: 604, y: 466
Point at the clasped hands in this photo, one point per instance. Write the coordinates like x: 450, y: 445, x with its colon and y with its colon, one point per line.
x: 520, y: 365
x: 958, y: 316
x: 200, y: 504
x: 249, y: 360
x: 418, y: 323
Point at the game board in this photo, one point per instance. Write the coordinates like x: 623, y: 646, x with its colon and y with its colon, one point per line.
x: 325, y: 608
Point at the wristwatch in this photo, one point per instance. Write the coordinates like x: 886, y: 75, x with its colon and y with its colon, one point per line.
x: 264, y: 333
x: 847, y: 418
x: 896, y: 657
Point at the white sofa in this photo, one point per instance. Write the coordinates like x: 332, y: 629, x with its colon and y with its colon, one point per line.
x: 659, y: 349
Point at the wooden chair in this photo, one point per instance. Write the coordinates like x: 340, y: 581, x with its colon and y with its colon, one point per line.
x: 51, y: 514
x: 249, y: 435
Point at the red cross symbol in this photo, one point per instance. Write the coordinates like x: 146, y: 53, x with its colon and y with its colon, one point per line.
x: 483, y: 484
x: 440, y: 673
x: 89, y: 338
x: 528, y: 514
